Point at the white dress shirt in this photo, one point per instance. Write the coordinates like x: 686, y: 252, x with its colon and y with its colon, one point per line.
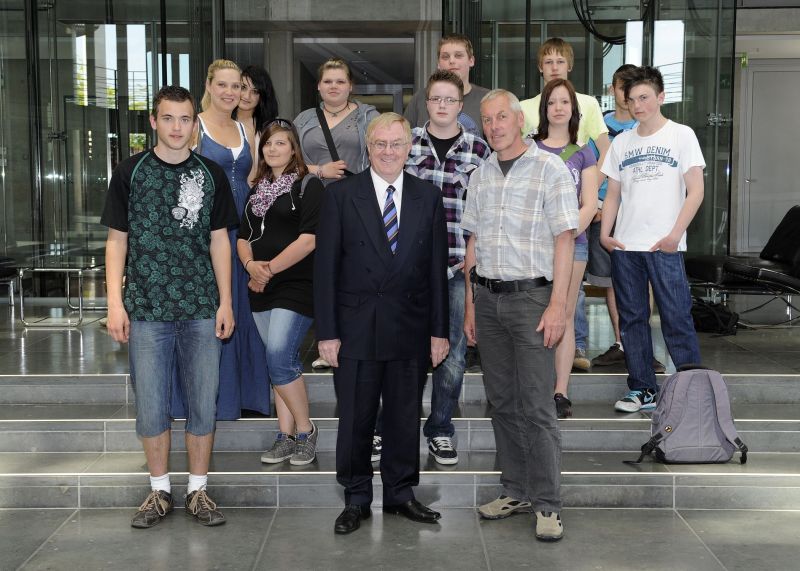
x: 380, y: 192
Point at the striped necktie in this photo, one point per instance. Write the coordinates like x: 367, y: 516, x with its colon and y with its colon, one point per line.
x: 390, y: 220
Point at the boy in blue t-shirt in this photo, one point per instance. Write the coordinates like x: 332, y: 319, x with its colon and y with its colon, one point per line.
x: 598, y: 269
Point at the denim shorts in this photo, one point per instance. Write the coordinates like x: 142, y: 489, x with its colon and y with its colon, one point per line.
x: 156, y: 347
x: 581, y: 252
x: 282, y: 332
x: 598, y: 270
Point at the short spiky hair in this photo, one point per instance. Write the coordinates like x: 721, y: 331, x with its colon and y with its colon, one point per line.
x: 556, y: 46
x: 621, y: 75
x: 173, y: 93
x: 456, y: 39
x: 644, y: 75
x: 445, y: 76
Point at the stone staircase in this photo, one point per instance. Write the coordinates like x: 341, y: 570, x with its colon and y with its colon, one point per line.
x: 70, y: 442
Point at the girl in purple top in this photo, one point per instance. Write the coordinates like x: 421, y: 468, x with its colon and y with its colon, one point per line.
x: 559, y: 118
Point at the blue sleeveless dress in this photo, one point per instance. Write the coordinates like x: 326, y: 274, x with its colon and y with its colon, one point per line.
x: 243, y: 382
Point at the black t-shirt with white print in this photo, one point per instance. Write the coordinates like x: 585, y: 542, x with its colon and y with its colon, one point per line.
x: 169, y: 211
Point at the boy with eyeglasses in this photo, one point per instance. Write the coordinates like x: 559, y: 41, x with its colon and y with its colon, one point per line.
x: 656, y: 170
x: 444, y: 153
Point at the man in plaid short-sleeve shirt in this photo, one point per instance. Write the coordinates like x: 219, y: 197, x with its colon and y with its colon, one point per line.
x: 522, y: 212
x: 444, y: 153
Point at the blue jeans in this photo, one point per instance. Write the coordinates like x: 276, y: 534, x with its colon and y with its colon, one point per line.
x: 449, y: 376
x: 630, y: 273
x: 518, y: 373
x: 155, y: 348
x: 282, y: 332
x: 581, y: 324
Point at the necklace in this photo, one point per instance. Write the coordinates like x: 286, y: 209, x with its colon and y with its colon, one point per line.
x: 336, y: 113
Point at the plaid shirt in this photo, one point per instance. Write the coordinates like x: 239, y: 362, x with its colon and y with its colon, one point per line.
x: 516, y: 217
x: 452, y: 176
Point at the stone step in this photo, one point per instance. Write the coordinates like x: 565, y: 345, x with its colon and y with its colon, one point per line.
x: 589, y: 479
x: 111, y: 428
x: 584, y: 387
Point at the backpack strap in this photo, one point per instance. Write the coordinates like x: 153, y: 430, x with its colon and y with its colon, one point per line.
x: 647, y: 449
x: 724, y: 416
x: 305, y: 182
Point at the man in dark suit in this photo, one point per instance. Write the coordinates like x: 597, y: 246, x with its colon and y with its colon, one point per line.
x: 380, y: 300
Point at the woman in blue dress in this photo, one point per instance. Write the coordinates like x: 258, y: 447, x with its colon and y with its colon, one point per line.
x: 243, y: 377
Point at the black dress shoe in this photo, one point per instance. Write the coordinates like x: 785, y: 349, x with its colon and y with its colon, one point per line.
x: 350, y: 518
x: 414, y: 511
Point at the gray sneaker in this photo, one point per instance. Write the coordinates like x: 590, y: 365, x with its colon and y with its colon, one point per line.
x: 154, y: 508
x: 282, y: 449
x: 305, y: 450
x: 200, y: 507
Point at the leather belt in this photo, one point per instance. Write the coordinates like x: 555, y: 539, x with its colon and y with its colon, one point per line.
x: 500, y: 286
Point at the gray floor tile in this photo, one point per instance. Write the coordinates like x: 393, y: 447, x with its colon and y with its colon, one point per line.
x: 23, y: 531
x: 383, y: 542
x: 746, y: 540
x: 600, y: 539
x: 104, y: 539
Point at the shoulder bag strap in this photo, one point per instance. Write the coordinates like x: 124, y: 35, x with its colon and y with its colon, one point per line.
x: 568, y: 151
x: 323, y: 123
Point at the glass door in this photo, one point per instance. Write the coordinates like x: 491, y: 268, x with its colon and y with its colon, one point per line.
x: 693, y: 47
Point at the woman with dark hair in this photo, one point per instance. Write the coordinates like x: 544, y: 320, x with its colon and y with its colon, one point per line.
x: 257, y: 106
x: 276, y: 247
x: 559, y: 118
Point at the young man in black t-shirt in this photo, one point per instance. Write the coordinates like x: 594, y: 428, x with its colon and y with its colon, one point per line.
x: 168, y: 211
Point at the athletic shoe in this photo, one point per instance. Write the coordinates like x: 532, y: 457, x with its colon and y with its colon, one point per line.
x: 636, y: 400
x: 320, y: 363
x: 581, y: 362
x: 612, y: 356
x: 472, y: 360
x: 549, y: 526
x: 442, y: 450
x: 305, y: 448
x: 658, y: 367
x: 200, y: 507
x: 503, y: 507
x: 282, y: 448
x: 377, y: 448
x: 563, y: 406
x: 155, y: 507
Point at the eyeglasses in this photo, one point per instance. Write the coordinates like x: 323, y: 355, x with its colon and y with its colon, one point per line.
x: 383, y: 145
x: 436, y: 100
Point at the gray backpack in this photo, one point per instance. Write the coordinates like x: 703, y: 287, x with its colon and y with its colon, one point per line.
x: 692, y: 423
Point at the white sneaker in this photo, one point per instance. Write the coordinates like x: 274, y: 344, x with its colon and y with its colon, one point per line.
x: 549, y: 526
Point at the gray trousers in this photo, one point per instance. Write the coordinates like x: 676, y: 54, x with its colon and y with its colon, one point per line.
x: 519, y: 375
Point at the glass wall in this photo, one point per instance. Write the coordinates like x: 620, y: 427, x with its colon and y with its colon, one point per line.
x: 77, y: 78
x: 94, y: 68
x: 691, y: 45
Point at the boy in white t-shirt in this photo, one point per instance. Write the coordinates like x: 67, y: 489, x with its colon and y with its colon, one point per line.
x: 655, y: 187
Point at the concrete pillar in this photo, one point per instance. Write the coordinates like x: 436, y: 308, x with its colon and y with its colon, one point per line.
x: 279, y: 59
x: 426, y: 43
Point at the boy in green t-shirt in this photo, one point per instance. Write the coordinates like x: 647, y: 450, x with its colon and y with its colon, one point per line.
x: 168, y: 211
